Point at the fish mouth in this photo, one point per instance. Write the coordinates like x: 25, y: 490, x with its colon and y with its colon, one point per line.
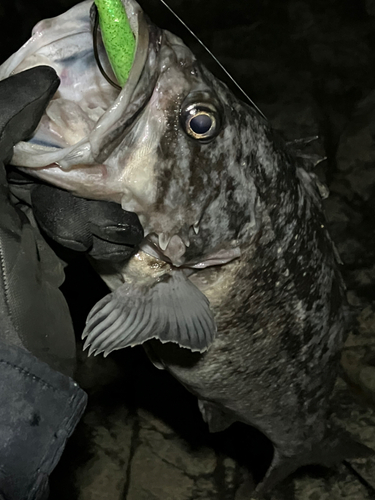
x: 172, y: 248
x: 106, y: 133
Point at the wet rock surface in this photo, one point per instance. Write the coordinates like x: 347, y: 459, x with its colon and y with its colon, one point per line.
x: 308, y: 65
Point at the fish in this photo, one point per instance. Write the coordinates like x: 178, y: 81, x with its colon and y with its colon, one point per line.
x: 236, y: 289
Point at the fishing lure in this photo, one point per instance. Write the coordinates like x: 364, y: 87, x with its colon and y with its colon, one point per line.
x: 117, y: 36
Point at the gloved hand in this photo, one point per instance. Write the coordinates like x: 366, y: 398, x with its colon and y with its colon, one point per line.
x: 39, y: 406
x: 101, y: 229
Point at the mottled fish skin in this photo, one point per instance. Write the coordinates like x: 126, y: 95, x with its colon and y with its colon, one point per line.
x: 279, y: 307
x: 281, y: 319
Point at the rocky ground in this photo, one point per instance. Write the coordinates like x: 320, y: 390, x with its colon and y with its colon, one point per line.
x: 309, y: 65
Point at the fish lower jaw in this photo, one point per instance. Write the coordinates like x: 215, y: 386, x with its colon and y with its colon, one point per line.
x: 219, y: 258
x: 172, y: 250
x: 170, y: 246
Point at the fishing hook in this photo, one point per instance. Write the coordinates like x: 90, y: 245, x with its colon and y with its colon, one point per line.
x: 96, y: 52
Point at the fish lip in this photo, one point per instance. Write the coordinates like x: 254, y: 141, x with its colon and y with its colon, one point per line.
x: 102, y: 149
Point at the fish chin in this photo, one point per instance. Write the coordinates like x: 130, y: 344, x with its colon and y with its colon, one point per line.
x: 86, y: 110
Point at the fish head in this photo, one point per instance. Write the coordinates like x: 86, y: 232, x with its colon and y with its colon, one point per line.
x: 174, y: 146
x: 181, y: 164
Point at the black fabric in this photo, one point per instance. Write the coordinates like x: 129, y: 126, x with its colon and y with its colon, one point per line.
x: 23, y: 98
x: 33, y: 311
x: 102, y: 229
x: 39, y: 409
x: 62, y: 217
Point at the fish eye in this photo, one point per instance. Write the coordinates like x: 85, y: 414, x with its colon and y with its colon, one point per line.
x: 201, y: 121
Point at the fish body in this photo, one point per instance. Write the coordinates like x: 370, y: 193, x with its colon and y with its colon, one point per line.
x: 280, y: 315
x: 236, y: 289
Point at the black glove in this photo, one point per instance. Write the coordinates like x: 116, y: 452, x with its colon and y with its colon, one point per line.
x: 34, y: 312
x: 100, y: 229
x: 39, y: 407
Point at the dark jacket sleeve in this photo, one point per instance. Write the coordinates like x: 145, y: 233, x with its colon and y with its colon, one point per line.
x: 39, y: 409
x: 39, y: 403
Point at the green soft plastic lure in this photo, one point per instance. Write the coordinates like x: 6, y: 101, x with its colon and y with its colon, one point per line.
x: 118, y: 37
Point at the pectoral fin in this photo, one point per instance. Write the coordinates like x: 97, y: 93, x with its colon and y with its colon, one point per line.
x: 172, y: 310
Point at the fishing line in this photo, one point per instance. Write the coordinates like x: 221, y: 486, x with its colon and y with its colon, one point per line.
x: 214, y: 57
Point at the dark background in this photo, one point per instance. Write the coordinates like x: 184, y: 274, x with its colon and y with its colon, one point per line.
x: 309, y: 65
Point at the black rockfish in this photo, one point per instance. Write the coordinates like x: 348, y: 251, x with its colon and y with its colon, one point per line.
x: 237, y: 265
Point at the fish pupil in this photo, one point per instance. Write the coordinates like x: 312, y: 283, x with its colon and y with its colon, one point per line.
x: 201, y: 118
x: 201, y: 123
